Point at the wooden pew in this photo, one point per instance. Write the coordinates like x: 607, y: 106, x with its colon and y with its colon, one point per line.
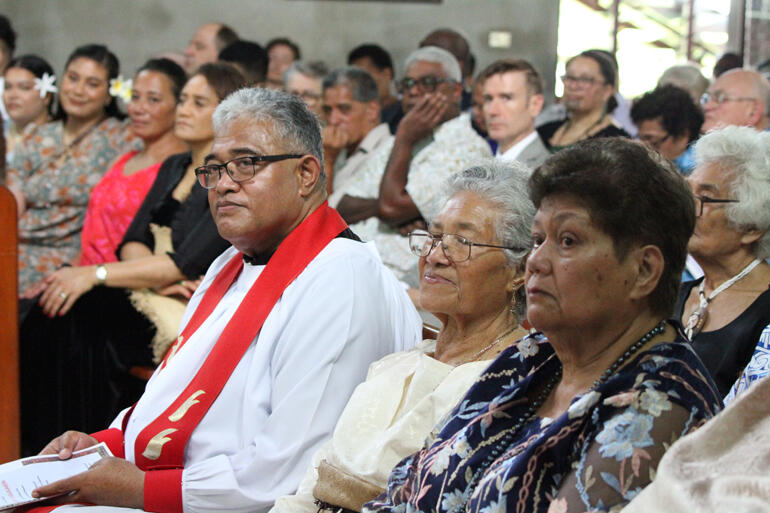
x: 9, y: 329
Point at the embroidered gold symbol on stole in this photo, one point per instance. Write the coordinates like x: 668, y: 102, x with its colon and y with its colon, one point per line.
x: 182, y: 410
x: 155, y: 446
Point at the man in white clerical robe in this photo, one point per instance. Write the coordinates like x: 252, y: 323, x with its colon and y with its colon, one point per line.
x: 258, y: 376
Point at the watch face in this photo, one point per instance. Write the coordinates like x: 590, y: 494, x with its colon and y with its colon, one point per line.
x: 101, y: 273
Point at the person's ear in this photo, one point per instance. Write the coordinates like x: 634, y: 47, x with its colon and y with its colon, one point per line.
x: 308, y: 174
x: 515, y: 278
x: 648, y: 265
x: 372, y: 112
x: 536, y: 102
x: 756, y: 113
x: 750, y: 236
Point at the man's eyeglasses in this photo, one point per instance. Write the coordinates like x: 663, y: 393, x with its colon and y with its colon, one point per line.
x: 239, y: 169
x: 701, y: 200
x: 653, y: 141
x: 720, y: 97
x: 455, y: 247
x: 426, y: 84
x: 581, y: 81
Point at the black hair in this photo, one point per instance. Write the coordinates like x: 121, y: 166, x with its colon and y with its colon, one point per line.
x: 674, y: 106
x: 171, y: 69
x: 7, y: 34
x: 377, y: 54
x: 225, y: 36
x: 250, y: 56
x: 609, y: 70
x: 633, y: 195
x: 286, y: 42
x: 222, y: 77
x: 103, y: 56
x: 35, y: 65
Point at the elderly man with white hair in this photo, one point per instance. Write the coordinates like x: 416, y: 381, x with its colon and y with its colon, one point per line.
x: 399, y: 188
x: 276, y: 337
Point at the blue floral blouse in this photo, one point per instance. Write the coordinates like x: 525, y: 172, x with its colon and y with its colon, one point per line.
x: 596, y: 456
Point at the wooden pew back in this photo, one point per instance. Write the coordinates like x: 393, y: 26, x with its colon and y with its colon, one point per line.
x: 9, y: 329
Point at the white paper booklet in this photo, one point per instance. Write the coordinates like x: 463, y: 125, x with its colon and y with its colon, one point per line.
x: 18, y: 478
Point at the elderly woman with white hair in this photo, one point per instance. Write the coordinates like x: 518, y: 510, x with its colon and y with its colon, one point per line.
x: 725, y: 311
x: 471, y: 274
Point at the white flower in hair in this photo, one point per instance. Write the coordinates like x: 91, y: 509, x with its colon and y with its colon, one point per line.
x: 45, y: 84
x: 121, y: 88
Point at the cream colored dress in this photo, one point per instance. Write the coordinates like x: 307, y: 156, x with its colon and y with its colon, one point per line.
x: 387, y: 418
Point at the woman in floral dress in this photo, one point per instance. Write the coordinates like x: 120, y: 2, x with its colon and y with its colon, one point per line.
x: 57, y: 164
x: 610, y: 383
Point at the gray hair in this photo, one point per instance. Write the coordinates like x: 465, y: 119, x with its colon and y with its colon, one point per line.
x: 744, y: 153
x: 362, y: 86
x: 292, y: 122
x: 687, y: 77
x: 313, y: 69
x: 503, y: 184
x: 439, y: 56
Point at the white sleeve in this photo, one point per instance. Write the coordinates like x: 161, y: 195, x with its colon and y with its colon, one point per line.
x: 333, y: 324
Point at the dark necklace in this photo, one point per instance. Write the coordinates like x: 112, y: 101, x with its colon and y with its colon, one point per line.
x: 584, y: 133
x: 504, y: 444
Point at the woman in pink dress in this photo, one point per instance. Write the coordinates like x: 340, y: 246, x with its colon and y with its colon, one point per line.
x: 117, y: 197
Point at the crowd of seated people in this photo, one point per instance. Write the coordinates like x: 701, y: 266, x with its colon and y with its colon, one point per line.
x: 213, y: 254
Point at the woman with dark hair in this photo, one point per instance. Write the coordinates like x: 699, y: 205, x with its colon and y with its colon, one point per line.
x: 589, y: 86
x: 56, y: 165
x: 609, y: 384
x: 96, y: 323
x: 117, y: 197
x: 668, y: 121
x: 28, y: 96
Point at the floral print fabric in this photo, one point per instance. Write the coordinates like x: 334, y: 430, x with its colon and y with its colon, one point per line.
x: 56, y: 182
x: 596, y: 456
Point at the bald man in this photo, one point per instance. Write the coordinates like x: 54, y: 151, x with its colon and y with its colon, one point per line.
x: 738, y: 97
x: 206, y: 43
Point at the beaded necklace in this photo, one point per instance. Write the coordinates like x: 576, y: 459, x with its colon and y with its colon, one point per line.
x: 507, y: 440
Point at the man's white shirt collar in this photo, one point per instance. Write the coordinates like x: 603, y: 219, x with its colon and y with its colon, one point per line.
x: 515, y: 150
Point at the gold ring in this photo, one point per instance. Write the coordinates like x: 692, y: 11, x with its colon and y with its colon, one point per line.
x: 63, y: 295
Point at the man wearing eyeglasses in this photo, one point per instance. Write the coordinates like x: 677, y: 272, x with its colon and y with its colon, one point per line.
x: 282, y: 328
x: 398, y: 188
x: 738, y: 97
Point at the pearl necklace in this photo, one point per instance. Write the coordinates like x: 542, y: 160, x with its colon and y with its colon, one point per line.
x: 504, y: 444
x: 698, y: 318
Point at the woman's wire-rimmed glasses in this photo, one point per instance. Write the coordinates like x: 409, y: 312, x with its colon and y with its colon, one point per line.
x: 705, y: 199
x: 238, y: 169
x: 455, y: 247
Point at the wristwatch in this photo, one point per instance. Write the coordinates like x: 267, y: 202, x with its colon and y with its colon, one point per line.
x: 101, y: 274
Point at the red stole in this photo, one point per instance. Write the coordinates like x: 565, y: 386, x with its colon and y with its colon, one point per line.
x: 161, y: 444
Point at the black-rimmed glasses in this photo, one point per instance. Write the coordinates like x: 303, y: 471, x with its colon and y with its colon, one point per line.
x: 701, y: 200
x: 426, y: 84
x: 238, y: 169
x: 455, y: 247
